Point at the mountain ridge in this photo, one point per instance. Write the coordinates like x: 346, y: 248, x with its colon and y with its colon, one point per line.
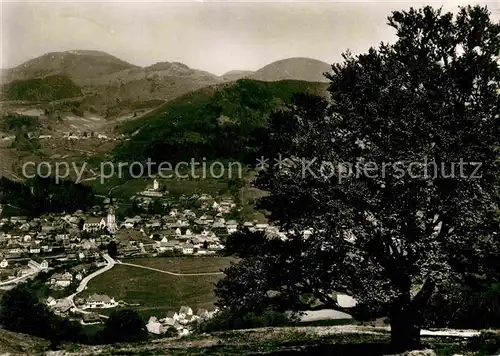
x: 113, y: 87
x: 295, y: 68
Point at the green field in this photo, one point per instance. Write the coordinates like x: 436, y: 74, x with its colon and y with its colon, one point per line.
x: 156, y: 292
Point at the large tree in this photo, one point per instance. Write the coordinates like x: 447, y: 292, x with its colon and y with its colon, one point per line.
x: 125, y: 325
x: 395, y: 176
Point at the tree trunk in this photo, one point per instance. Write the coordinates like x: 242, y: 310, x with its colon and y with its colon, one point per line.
x: 405, y: 327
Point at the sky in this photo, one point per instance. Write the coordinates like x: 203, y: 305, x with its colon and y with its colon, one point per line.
x: 208, y: 35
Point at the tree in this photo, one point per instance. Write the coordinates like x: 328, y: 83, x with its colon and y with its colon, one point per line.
x: 244, y: 243
x: 156, y: 207
x: 125, y: 326
x: 21, y: 312
x: 377, y: 175
x: 112, y: 249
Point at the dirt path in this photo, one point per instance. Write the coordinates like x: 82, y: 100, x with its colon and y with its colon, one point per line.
x: 173, y: 273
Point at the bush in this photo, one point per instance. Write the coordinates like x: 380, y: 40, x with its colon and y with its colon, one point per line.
x: 171, y: 332
x: 20, y: 311
x: 125, y: 326
x: 174, y: 253
x: 487, y: 342
x: 471, y: 304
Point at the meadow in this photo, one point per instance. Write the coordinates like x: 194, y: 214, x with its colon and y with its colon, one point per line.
x: 154, y: 293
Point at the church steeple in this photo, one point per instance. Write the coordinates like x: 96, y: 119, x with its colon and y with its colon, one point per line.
x: 111, y: 220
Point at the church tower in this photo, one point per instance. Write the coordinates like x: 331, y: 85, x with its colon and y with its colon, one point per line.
x: 111, y: 221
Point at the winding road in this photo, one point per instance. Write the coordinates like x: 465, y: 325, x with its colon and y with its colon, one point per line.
x: 83, y: 284
x: 20, y: 279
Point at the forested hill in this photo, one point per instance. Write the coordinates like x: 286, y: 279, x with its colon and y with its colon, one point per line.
x: 49, y: 88
x: 43, y: 195
x: 219, y: 122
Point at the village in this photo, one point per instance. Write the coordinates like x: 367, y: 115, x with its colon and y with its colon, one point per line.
x: 71, y: 249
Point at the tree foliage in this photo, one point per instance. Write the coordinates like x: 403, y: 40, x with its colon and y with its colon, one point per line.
x: 125, y: 325
x: 389, y: 227
x: 21, y: 311
x: 223, y: 124
x: 45, y: 195
x: 112, y: 249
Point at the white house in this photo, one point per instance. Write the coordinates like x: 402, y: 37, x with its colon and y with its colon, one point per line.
x: 154, y: 327
x: 261, y: 227
x: 215, y: 246
x: 50, y: 301
x: 100, y: 301
x: 173, y: 315
x: 61, y: 280
x: 187, y: 249
x: 4, y: 263
x: 35, y: 249
x: 94, y: 224
x: 185, y: 311
x: 44, y: 264
x: 129, y: 224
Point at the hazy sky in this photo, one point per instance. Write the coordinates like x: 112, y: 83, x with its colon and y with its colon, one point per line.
x: 213, y: 36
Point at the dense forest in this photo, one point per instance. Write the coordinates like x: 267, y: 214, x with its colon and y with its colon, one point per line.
x: 43, y: 195
x: 49, y: 88
x: 225, y: 123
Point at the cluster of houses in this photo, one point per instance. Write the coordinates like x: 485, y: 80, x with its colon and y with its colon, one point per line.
x: 182, y: 230
x: 179, y: 321
x: 17, y: 271
x: 74, y: 274
x: 95, y: 301
x: 34, y: 244
x: 78, y: 135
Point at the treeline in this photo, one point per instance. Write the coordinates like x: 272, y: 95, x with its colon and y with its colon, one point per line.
x: 44, y: 195
x: 227, y: 124
x: 19, y: 123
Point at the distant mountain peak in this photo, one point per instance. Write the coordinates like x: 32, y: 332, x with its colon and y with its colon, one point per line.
x: 298, y: 68
x: 76, y: 64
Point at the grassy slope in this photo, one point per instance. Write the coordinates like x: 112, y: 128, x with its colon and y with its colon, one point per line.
x: 20, y: 344
x: 158, y: 293
x: 276, y: 341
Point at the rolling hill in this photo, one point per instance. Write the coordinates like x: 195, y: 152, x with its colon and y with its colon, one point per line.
x: 163, y: 81
x: 109, y: 85
x: 77, y: 65
x: 306, y: 69
x: 233, y: 75
x: 112, y: 87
